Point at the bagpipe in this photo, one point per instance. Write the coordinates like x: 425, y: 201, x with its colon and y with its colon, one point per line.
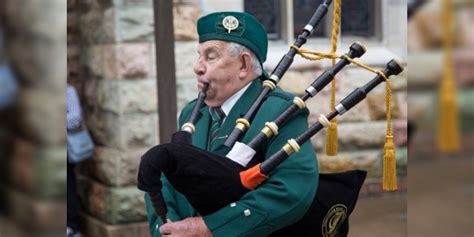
x: 210, y: 181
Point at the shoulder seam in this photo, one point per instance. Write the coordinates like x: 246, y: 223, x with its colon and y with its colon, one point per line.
x: 281, y: 95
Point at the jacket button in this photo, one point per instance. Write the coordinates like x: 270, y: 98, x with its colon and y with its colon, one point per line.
x: 247, y: 212
x: 233, y: 204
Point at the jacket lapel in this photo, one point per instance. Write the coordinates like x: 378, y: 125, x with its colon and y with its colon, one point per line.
x: 238, y: 111
x: 202, y: 128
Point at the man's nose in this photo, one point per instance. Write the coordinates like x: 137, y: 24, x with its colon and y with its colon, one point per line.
x: 199, y: 68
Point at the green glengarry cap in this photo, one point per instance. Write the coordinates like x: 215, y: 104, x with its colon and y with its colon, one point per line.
x: 238, y: 27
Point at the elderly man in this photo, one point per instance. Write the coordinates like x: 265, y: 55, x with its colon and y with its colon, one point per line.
x: 232, y: 48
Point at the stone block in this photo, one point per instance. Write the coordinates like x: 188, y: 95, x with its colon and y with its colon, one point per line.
x: 49, y: 184
x: 94, y: 227
x: 359, y: 113
x: 124, y: 96
x: 140, y: 130
x: 400, y: 132
x: 105, y: 128
x: 138, y: 96
x: 319, y: 141
x: 135, y: 24
x: 426, y: 69
x: 97, y: 26
x: 113, y: 205
x: 124, y: 131
x: 399, y: 82
x: 131, y: 3
x: 427, y: 23
x: 368, y: 160
x: 35, y: 214
x: 185, y: 18
x: 343, y: 161
x: 377, y: 106
x: 128, y: 61
x: 361, y: 135
x: 186, y: 91
x: 27, y: 18
x: 113, y: 167
x: 320, y: 104
x: 352, y: 77
x: 106, y: 95
x: 185, y: 58
x: 119, y: 61
x: 31, y: 166
x: 27, y: 55
x: 296, y: 82
x: 464, y: 71
x: 93, y: 60
x: 464, y: 17
x: 43, y: 115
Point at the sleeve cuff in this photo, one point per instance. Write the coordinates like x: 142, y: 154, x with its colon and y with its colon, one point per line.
x: 233, y: 220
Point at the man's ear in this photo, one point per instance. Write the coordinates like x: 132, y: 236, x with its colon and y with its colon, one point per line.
x: 246, y: 65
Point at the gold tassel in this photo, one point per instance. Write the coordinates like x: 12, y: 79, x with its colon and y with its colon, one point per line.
x: 389, y: 155
x: 448, y: 122
x: 389, y: 165
x: 331, y: 135
x: 331, y: 139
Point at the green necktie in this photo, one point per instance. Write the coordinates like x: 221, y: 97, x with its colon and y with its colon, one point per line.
x: 218, y: 116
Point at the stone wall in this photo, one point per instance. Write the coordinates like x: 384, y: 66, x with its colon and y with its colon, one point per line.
x: 32, y: 131
x: 112, y: 62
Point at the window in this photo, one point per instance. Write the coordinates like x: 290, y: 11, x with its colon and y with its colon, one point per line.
x: 302, y: 12
x: 360, y: 18
x: 267, y: 12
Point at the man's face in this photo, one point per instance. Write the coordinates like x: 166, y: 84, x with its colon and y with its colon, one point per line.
x: 216, y: 67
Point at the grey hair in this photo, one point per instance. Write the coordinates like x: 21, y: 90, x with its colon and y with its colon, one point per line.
x: 235, y: 50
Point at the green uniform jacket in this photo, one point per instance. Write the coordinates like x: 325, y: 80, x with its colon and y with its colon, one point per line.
x: 281, y: 200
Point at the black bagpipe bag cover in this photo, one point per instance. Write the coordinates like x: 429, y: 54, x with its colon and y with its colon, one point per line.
x: 328, y: 215
x: 207, y: 180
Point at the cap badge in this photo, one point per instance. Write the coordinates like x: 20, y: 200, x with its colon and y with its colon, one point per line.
x: 230, y: 23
